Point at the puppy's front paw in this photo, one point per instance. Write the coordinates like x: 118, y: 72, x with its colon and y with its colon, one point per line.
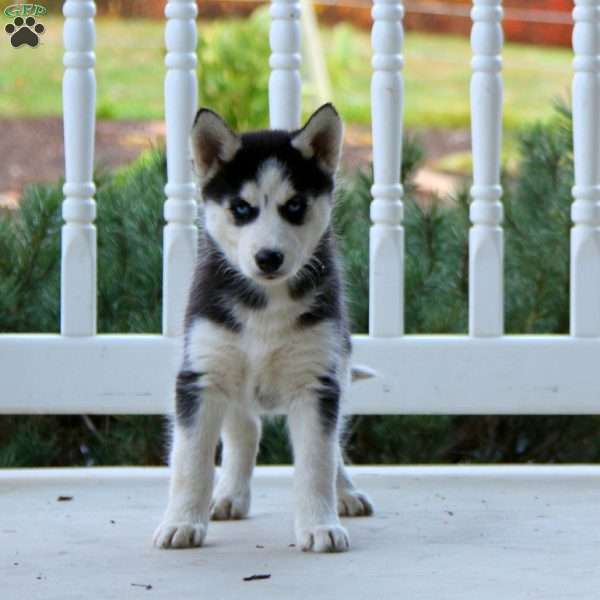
x: 179, y: 534
x: 324, y: 538
x: 230, y: 506
x: 352, y: 503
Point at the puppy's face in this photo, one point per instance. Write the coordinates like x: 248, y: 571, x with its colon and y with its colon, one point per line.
x: 268, y: 195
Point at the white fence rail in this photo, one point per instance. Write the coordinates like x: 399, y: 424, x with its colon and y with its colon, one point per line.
x: 585, y: 236
x: 386, y: 248
x: 180, y: 237
x: 482, y: 373
x: 486, y: 295
x: 78, y: 258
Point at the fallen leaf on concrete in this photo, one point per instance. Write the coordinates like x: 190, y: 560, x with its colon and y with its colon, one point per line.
x: 255, y: 577
x: 146, y: 586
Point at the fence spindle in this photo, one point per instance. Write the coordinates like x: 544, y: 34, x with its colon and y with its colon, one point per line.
x: 585, y: 210
x: 386, y: 252
x: 284, y: 81
x: 180, y: 211
x: 486, y: 306
x: 78, y: 240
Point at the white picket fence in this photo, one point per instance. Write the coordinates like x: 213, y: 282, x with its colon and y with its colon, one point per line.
x: 482, y: 373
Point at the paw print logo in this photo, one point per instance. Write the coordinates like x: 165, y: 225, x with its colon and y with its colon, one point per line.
x: 24, y: 32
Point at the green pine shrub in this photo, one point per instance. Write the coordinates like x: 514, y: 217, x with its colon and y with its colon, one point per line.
x: 537, y: 226
x: 129, y: 224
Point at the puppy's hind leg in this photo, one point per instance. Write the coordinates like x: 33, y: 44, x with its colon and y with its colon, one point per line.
x: 241, y: 437
x: 350, y: 501
x: 197, y: 425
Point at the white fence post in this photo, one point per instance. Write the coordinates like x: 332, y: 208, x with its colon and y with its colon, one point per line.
x: 585, y: 210
x: 386, y: 253
x: 486, y: 294
x: 284, y: 82
x: 78, y: 240
x: 181, y: 91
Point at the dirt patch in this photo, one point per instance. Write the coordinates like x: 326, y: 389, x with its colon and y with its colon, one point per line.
x: 33, y: 150
x: 437, y: 144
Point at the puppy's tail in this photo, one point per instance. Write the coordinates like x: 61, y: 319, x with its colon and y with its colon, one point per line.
x: 362, y: 372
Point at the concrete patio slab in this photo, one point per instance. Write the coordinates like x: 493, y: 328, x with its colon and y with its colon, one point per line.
x: 439, y: 533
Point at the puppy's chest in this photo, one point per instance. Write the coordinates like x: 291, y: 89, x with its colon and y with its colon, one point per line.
x: 271, y: 359
x: 265, y: 331
x: 278, y: 354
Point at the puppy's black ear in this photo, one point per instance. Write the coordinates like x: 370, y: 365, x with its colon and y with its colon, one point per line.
x: 213, y: 142
x: 321, y: 137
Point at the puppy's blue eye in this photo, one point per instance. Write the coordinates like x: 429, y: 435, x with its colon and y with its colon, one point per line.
x: 241, y: 208
x: 295, y: 205
x: 293, y: 210
x: 242, y: 211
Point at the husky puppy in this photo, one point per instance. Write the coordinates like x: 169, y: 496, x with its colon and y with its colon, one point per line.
x: 265, y: 330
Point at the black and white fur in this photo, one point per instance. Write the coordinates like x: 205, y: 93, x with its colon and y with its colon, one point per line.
x: 265, y: 329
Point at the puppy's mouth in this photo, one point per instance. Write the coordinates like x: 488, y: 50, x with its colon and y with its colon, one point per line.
x: 269, y: 278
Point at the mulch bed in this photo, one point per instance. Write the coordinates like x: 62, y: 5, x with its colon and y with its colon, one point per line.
x: 33, y: 150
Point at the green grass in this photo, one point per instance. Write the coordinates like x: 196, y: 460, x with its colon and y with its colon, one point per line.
x: 130, y: 74
x: 437, y: 75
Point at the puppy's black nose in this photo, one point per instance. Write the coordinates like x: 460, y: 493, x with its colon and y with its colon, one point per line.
x: 268, y: 260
